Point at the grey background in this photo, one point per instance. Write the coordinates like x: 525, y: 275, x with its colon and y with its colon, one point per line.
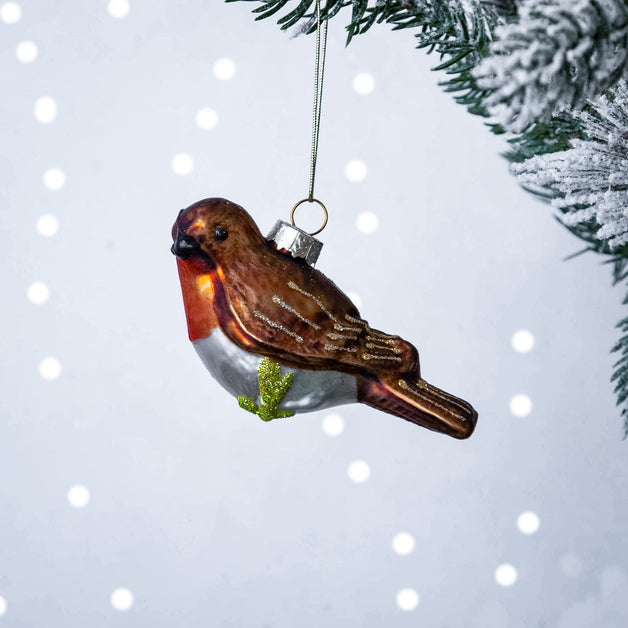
x: 209, y: 516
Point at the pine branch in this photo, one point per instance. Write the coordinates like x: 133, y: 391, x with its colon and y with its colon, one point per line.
x: 460, y: 32
x: 589, y: 182
x: 620, y: 374
x: 556, y: 56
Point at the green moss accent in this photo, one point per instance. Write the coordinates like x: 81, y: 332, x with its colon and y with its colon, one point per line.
x: 273, y: 387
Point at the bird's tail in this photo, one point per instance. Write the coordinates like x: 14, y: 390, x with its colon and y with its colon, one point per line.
x: 421, y: 403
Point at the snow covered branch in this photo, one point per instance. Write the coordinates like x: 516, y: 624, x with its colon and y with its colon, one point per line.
x: 558, y: 54
x: 590, y: 180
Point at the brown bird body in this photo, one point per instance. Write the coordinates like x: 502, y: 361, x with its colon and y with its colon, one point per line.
x: 268, y: 303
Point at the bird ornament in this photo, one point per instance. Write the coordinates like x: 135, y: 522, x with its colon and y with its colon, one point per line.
x: 281, y: 337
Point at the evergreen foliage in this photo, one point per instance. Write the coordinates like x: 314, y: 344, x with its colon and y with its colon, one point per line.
x: 531, y: 65
x: 556, y: 56
x: 459, y: 32
x: 589, y: 180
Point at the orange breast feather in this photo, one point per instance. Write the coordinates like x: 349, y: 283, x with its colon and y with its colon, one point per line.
x: 197, y: 286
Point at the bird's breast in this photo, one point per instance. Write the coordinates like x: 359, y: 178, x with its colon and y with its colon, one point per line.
x: 198, y: 299
x: 236, y: 370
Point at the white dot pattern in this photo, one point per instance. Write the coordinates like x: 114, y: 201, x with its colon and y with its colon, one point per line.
x: 403, y: 543
x: 182, y: 164
x: 224, y: 69
x: 10, y: 12
x: 407, y: 599
x: 26, y: 52
x: 122, y: 599
x: 50, y: 368
x: 521, y: 405
x: 45, y: 109
x: 528, y: 522
x: 355, y: 170
x: 118, y: 8
x: 505, y: 575
x: 359, y: 471
x: 363, y: 83
x: 38, y: 293
x: 206, y: 118
x: 333, y: 425
x: 47, y: 225
x: 54, y: 179
x: 79, y: 496
x: 367, y: 222
x: 522, y: 341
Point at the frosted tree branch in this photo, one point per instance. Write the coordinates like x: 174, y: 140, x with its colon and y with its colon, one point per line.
x: 556, y: 56
x: 590, y: 180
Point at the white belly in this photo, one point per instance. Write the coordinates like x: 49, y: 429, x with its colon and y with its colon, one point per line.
x: 236, y: 371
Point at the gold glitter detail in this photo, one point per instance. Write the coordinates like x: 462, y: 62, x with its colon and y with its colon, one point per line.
x: 353, y: 319
x: 379, y: 335
x: 370, y: 356
x: 340, y: 327
x: 423, y: 385
x: 336, y: 348
x: 334, y: 336
x: 290, y: 309
x: 316, y: 300
x: 372, y: 345
x: 277, y: 325
x: 388, y: 341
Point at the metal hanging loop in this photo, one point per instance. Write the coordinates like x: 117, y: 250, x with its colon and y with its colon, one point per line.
x: 311, y: 200
x: 319, y: 73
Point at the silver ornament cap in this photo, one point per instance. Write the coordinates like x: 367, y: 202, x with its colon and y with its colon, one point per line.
x: 295, y: 241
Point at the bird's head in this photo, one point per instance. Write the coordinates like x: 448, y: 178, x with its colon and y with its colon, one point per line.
x: 213, y: 231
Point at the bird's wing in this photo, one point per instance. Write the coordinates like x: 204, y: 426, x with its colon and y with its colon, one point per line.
x: 298, y: 317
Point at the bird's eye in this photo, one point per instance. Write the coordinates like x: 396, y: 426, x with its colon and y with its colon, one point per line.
x: 221, y: 234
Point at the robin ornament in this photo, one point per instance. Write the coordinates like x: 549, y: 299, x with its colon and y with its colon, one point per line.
x: 283, y: 338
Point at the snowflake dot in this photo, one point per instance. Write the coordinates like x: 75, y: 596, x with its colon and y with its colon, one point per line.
x: 407, y: 599
x: 118, y: 8
x: 224, y: 69
x: 355, y: 170
x: 505, y: 575
x: 122, y: 599
x: 3, y: 606
x: 206, y: 118
x: 333, y: 424
x: 45, y: 109
x: 528, y: 522
x: 359, y: 471
x: 363, y: 83
x: 403, y: 543
x: 50, y: 368
x: 367, y: 222
x: 522, y: 341
x: 54, y: 179
x: 47, y: 225
x: 10, y: 12
x: 182, y: 164
x: 79, y: 496
x: 26, y: 52
x: 521, y: 405
x: 38, y: 293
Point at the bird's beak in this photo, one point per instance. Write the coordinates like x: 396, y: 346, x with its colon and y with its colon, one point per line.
x: 184, y: 245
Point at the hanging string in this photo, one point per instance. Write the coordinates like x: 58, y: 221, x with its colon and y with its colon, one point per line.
x: 319, y: 73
